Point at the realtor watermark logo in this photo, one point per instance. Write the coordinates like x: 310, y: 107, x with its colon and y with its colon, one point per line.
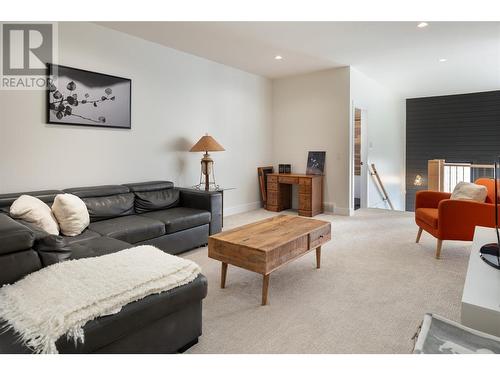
x: 26, y: 49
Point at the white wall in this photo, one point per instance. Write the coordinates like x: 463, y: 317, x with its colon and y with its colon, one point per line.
x: 311, y: 113
x: 176, y: 98
x: 385, y: 121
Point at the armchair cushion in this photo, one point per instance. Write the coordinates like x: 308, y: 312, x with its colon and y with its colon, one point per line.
x: 428, y: 216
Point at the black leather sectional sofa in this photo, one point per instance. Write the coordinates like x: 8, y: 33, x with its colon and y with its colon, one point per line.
x: 154, y: 213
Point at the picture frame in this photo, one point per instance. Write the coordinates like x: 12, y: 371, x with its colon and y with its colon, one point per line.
x: 316, y: 162
x: 81, y: 97
x: 262, y: 173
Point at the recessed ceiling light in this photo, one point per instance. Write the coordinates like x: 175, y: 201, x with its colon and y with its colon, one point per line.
x: 421, y: 25
x: 278, y: 57
x: 443, y: 60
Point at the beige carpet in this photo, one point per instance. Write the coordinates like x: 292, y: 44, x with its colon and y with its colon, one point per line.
x: 372, y: 290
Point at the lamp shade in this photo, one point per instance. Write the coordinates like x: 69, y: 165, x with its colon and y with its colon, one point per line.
x: 206, y: 143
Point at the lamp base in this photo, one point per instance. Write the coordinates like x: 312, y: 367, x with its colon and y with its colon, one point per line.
x: 490, y: 253
x: 207, y: 169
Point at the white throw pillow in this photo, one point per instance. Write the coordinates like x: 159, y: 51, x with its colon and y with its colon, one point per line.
x: 36, y: 212
x: 470, y: 192
x: 71, y: 213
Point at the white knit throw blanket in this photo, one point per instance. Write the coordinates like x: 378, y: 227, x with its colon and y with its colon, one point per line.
x: 60, y: 299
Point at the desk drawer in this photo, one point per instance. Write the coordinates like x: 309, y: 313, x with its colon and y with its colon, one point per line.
x: 305, y: 181
x: 272, y: 198
x: 305, y: 202
x: 273, y: 186
x: 320, y: 236
x: 305, y: 189
x: 288, y: 180
x: 272, y: 179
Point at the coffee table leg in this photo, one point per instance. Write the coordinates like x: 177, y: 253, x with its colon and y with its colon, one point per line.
x: 265, y: 288
x: 223, y: 273
x: 318, y: 257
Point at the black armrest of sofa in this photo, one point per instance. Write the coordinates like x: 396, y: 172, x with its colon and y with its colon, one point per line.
x: 14, y: 236
x: 17, y: 258
x: 204, y: 200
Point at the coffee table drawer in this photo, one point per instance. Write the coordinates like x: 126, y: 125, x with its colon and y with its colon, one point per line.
x: 320, y: 236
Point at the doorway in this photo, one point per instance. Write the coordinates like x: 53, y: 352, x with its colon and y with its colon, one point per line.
x: 359, y: 178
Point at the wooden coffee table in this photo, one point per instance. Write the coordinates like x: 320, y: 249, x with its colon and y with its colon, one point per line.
x: 266, y: 245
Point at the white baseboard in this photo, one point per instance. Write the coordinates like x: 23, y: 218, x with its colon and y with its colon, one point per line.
x: 343, y: 211
x: 228, y: 211
x: 330, y: 208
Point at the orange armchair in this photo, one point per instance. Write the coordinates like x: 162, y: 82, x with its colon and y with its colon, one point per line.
x: 448, y: 219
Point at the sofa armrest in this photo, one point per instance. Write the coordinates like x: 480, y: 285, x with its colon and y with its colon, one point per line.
x: 457, y: 219
x: 14, y: 236
x: 204, y: 200
x: 429, y: 198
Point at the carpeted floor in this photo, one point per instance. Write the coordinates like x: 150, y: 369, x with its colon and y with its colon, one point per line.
x: 372, y: 290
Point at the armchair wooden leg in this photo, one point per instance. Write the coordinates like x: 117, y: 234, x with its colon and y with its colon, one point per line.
x: 419, y: 234
x: 438, y: 248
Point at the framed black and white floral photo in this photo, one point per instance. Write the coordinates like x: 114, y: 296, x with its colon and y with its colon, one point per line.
x: 316, y: 162
x: 81, y: 97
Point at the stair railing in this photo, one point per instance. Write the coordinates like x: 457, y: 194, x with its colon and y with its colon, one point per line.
x: 380, y: 185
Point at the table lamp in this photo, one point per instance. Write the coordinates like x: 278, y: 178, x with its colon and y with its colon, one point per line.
x: 205, y: 144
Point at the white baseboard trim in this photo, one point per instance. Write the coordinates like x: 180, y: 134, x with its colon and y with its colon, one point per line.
x: 343, y: 211
x: 239, y: 209
x: 330, y: 208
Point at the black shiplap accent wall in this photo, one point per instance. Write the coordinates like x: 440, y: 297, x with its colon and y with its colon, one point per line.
x: 457, y: 128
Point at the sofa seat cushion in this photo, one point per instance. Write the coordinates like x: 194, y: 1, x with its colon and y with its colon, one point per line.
x: 131, y: 229
x: 428, y: 216
x: 180, y: 218
x: 95, y: 247
x: 84, y: 236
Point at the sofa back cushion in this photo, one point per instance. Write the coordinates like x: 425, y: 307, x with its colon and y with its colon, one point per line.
x: 102, y: 208
x: 46, y: 196
x: 156, y: 200
x: 154, y: 195
x: 105, y: 202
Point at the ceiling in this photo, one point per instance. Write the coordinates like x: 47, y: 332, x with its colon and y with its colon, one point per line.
x: 399, y: 55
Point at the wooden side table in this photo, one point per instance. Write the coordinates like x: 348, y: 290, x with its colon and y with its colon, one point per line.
x: 217, y: 189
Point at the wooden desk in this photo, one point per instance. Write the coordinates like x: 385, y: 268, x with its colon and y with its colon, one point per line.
x: 279, y: 192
